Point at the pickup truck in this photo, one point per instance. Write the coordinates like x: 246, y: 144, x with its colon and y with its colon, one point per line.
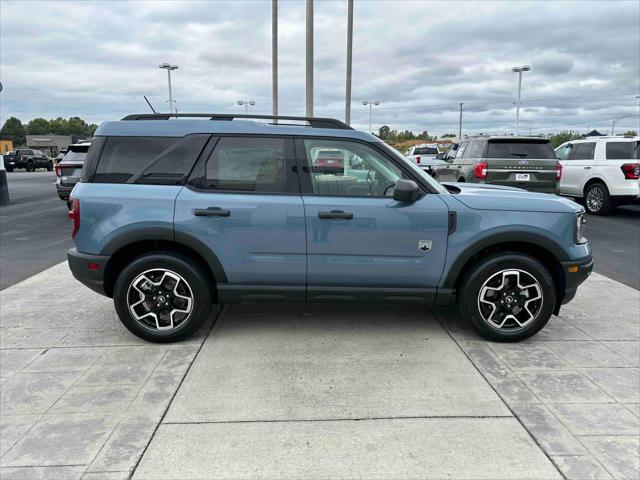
x: 28, y: 159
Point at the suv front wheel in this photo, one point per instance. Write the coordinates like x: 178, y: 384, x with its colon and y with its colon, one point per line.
x: 507, y: 297
x: 162, y: 297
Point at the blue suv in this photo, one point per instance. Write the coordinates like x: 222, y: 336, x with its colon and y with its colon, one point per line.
x: 176, y: 214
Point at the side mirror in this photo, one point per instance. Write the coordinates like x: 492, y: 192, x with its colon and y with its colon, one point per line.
x: 406, y: 191
x: 440, y: 156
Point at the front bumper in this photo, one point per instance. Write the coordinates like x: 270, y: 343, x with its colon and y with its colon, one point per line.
x: 88, y: 269
x: 576, y: 272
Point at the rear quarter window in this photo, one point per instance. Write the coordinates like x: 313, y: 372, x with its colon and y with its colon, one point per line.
x: 515, y: 149
x: 149, y: 160
x: 622, y: 150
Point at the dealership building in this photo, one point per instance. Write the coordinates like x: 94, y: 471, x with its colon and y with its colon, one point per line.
x: 50, y: 145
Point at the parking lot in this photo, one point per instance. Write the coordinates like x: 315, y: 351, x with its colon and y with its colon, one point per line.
x: 290, y: 391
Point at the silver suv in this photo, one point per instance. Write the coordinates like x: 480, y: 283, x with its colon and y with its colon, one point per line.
x: 524, y: 162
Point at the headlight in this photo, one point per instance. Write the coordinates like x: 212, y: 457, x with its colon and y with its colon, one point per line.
x: 581, y: 224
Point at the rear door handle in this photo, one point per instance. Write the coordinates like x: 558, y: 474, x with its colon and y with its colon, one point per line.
x: 336, y: 214
x: 587, y: 168
x: 211, y: 212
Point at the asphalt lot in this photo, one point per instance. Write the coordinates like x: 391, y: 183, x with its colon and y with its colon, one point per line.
x: 35, y: 233
x: 34, y: 230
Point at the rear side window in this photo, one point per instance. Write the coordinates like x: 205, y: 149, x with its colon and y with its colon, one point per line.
x: 520, y: 149
x: 583, y: 151
x: 123, y: 157
x: 622, y: 150
x: 246, y: 164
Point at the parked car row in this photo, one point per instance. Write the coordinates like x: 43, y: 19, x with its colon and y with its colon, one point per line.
x: 601, y: 172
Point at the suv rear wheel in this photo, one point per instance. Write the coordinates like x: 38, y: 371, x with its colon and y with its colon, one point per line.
x: 507, y: 297
x: 597, y: 200
x: 30, y: 166
x: 162, y: 297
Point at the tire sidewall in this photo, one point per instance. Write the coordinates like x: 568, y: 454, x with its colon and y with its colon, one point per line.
x: 192, y: 274
x: 30, y: 166
x: 485, y: 269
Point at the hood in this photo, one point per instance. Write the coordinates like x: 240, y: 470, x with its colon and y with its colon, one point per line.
x: 495, y: 197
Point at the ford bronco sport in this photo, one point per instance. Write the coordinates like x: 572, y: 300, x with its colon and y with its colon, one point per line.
x: 175, y: 214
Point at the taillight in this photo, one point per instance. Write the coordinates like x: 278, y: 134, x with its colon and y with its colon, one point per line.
x: 417, y: 159
x: 631, y: 171
x: 58, y: 171
x: 480, y: 170
x: 558, y: 171
x: 74, y: 215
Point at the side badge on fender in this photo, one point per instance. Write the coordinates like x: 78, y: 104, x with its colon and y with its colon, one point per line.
x: 424, y: 245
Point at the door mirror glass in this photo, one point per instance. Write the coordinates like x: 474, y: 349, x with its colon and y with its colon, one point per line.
x: 406, y: 191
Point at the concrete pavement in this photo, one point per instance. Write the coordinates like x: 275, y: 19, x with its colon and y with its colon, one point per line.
x: 279, y: 391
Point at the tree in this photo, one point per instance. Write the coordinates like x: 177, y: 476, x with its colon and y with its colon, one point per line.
x: 14, y: 131
x: 564, y: 136
x: 383, y: 132
x: 631, y: 133
x: 59, y: 126
x: 448, y: 135
x: 38, y: 126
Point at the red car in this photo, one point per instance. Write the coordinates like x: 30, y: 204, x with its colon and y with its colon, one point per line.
x: 329, y: 161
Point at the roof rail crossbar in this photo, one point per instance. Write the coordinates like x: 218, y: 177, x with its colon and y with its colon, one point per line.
x: 313, y: 122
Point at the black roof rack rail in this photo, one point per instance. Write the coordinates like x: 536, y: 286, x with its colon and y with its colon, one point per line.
x: 313, y: 122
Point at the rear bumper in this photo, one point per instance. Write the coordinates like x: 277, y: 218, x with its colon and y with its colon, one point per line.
x: 583, y: 268
x: 79, y: 264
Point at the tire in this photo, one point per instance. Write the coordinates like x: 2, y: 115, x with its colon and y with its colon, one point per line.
x: 183, y: 278
x: 50, y: 167
x: 480, y: 288
x: 31, y: 166
x: 462, y: 180
x: 9, y: 169
x: 597, y: 200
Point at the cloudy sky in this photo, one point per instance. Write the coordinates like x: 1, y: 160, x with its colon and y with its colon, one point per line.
x: 418, y: 58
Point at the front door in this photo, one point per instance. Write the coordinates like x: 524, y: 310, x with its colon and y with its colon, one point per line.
x: 362, y: 244
x: 577, y: 167
x: 243, y: 205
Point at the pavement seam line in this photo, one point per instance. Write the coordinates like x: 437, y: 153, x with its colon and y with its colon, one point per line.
x: 219, y: 311
x: 535, y: 440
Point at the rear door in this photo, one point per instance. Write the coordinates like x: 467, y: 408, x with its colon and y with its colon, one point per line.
x: 243, y: 204
x: 525, y: 163
x: 362, y: 244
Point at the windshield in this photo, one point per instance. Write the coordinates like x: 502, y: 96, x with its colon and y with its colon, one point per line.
x: 74, y: 156
x: 415, y: 169
x: 520, y: 149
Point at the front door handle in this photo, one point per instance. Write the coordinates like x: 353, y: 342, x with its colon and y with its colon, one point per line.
x: 336, y: 214
x: 587, y: 168
x: 211, y: 212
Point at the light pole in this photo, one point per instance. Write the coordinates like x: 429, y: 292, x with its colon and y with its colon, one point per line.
x: 519, y: 70
x: 371, y: 103
x: 309, y: 58
x: 460, y: 126
x: 246, y: 104
x: 274, y: 56
x: 347, y: 99
x: 168, y: 67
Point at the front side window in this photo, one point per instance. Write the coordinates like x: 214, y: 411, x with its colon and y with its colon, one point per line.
x: 247, y: 164
x: 461, y: 149
x: 351, y: 169
x: 584, y: 151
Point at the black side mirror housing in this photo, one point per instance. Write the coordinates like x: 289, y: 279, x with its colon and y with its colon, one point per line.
x: 406, y: 191
x: 440, y: 156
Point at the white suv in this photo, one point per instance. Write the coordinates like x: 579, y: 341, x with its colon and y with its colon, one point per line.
x: 603, y: 171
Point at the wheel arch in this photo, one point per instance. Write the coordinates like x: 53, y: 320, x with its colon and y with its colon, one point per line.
x: 537, y: 246
x: 591, y: 181
x: 122, y: 252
